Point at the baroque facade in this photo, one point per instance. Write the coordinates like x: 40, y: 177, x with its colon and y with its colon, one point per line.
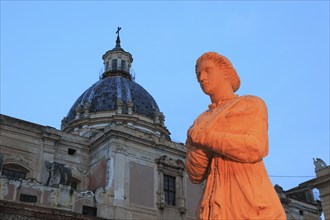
x: 112, y: 159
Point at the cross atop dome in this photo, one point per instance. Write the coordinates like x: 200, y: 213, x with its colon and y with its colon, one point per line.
x: 118, y: 38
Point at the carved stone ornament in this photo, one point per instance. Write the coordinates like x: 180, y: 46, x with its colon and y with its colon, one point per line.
x: 54, y: 197
x: 319, y: 164
x: 3, y: 187
x: 182, y: 207
x: 103, y: 196
x: 78, y: 111
x: 130, y: 107
x: 86, y: 109
x: 120, y: 105
x: 161, y: 200
x: 169, y: 162
x: 17, y: 159
x: 156, y: 117
x: 87, y: 106
x: 60, y: 198
x: 32, y: 183
x: 58, y: 174
x: 64, y: 122
x: 87, y: 193
x: 121, y: 149
x: 162, y: 118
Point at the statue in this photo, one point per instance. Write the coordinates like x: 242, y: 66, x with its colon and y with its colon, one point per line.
x: 319, y: 164
x: 225, y: 148
x: 58, y: 174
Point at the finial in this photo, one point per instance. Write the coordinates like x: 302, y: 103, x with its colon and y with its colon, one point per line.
x: 118, y: 39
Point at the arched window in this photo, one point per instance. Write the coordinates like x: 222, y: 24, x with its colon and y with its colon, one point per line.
x: 114, y: 64
x: 123, y: 65
x: 14, y: 171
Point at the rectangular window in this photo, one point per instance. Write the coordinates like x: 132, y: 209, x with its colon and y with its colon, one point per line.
x: 123, y: 65
x: 114, y: 64
x: 89, y: 211
x: 71, y: 151
x: 27, y: 198
x: 169, y: 189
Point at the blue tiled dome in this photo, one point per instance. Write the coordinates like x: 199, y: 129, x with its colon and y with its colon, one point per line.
x: 104, y: 95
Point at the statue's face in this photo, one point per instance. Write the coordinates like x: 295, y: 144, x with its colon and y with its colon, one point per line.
x: 210, y: 77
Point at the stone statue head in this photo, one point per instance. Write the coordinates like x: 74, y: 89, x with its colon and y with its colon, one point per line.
x: 225, y: 65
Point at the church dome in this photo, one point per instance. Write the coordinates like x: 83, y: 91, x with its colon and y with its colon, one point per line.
x: 115, y: 99
x: 112, y: 93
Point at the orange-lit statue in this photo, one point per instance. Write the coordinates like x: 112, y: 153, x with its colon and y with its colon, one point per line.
x: 226, y: 145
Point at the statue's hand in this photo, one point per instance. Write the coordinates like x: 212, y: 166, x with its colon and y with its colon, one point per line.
x: 197, y: 135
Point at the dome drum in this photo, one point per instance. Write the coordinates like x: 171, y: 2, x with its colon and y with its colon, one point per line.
x: 101, y: 120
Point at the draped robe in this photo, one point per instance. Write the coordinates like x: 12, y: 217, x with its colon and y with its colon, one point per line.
x: 227, y: 153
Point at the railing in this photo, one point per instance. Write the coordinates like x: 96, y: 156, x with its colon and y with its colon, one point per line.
x: 124, y: 69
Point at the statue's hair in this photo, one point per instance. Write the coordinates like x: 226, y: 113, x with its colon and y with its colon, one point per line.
x: 225, y: 64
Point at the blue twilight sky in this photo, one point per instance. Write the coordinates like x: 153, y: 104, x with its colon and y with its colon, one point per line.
x: 51, y: 53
